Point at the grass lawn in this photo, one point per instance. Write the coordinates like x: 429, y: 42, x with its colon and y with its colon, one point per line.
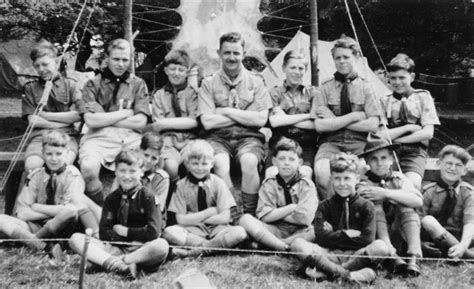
x: 21, y: 267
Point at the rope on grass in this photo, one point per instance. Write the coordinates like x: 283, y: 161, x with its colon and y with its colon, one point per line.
x: 249, y: 251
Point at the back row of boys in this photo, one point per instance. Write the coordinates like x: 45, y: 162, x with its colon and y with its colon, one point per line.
x: 229, y: 110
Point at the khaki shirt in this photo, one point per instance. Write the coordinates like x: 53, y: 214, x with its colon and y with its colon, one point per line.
x: 132, y: 94
x: 68, y: 184
x: 420, y: 105
x: 360, y: 94
x: 463, y: 213
x: 184, y: 200
x: 65, y: 96
x: 158, y: 184
x: 162, y: 107
x: 297, y: 103
x: 271, y: 196
x: 251, y: 91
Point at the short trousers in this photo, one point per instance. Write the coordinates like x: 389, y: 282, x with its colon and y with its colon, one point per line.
x: 235, y: 148
x: 205, y: 231
x: 412, y: 158
x: 283, y: 230
x: 170, y: 152
x: 35, y: 147
x: 329, y: 149
x: 105, y: 144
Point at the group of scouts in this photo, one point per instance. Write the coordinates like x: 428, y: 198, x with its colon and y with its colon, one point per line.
x: 172, y: 155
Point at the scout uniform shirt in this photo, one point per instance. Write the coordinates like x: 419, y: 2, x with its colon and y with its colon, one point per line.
x: 65, y: 96
x: 420, y: 110
x: 246, y: 92
x: 434, y: 197
x: 352, y: 212
x: 167, y: 104
x: 361, y: 98
x: 137, y: 210
x: 185, y: 199
x: 303, y: 193
x: 298, y: 103
x: 68, y: 183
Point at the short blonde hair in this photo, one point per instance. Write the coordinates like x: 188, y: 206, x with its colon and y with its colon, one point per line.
x: 197, y: 149
x: 120, y: 44
x: 55, y: 138
x: 455, y: 151
x: 349, y: 43
x: 343, y: 162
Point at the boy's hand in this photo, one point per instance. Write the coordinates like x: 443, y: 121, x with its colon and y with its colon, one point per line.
x: 327, y: 226
x: 457, y: 251
x: 324, y: 112
x: 430, y: 249
x: 120, y: 230
x: 372, y: 193
x: 413, y: 127
x: 351, y: 233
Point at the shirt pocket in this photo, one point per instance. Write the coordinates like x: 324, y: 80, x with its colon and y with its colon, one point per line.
x: 334, y: 104
x: 246, y: 97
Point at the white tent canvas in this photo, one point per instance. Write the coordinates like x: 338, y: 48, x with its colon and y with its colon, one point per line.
x: 301, y: 42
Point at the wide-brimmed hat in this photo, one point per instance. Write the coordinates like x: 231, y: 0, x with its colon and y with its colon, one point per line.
x: 376, y: 142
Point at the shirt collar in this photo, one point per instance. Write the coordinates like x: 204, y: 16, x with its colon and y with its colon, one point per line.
x: 286, y: 87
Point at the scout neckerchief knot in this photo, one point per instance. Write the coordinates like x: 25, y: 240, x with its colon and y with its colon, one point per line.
x: 287, y: 186
x: 379, y: 180
x: 106, y: 73
x: 346, y: 106
x: 146, y: 174
x: 344, y: 221
x: 51, y: 186
x: 174, y: 98
x: 125, y: 204
x: 449, y: 202
x: 201, y: 197
x: 233, y: 96
x: 403, y: 106
x: 43, y: 82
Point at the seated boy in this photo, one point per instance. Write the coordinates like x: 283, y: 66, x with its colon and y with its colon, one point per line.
x: 130, y: 214
x: 448, y: 208
x: 115, y: 106
x: 51, y: 200
x: 344, y: 114
x: 202, y: 203
x: 344, y: 225
x: 395, y: 199
x: 411, y: 117
x: 60, y: 112
x: 174, y: 111
x: 287, y: 202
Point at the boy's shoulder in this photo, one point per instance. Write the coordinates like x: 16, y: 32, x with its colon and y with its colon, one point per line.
x: 34, y: 174
x: 431, y: 187
x: 160, y: 173
x: 73, y: 170
x: 466, y: 187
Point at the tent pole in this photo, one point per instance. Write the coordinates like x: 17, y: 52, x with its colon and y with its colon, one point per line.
x: 127, y: 29
x: 313, y: 7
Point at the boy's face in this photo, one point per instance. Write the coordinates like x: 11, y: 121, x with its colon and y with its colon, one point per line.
x: 294, y: 70
x: 199, y: 168
x: 177, y: 74
x: 128, y: 176
x: 151, y: 157
x: 344, y: 59
x: 451, y: 169
x: 380, y: 162
x: 54, y: 157
x: 344, y: 183
x: 119, y: 61
x: 287, y: 163
x: 231, y: 54
x: 400, y: 80
x: 45, y: 67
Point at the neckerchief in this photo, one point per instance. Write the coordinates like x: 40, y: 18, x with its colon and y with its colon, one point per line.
x: 345, y: 202
x: 43, y: 82
x: 175, y: 100
x: 234, y: 100
x: 346, y: 106
x: 403, y: 106
x: 449, y: 202
x: 51, y: 186
x: 146, y: 174
x: 117, y: 80
x: 125, y: 204
x: 379, y: 180
x: 201, y: 197
x: 287, y: 186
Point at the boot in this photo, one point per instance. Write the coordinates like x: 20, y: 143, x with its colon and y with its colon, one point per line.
x: 396, y: 265
x: 365, y: 275
x: 412, y: 268
x: 356, y: 263
x: 326, y: 266
x: 116, y: 265
x: 314, y: 274
x: 55, y: 252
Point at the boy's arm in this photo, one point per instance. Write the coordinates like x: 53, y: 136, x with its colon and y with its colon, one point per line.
x: 244, y: 117
x: 42, y: 122
x: 190, y: 219
x: 160, y: 189
x: 67, y: 117
x: 267, y: 207
x: 400, y: 131
x: 424, y: 134
x: 107, y: 222
x: 458, y: 250
x: 105, y: 119
x: 26, y: 199
x: 306, y: 124
x: 407, y: 195
x: 207, y: 109
x: 223, y: 218
x: 367, y: 125
x: 136, y: 122
x: 367, y: 233
x: 336, y: 123
x: 304, y: 212
x: 152, y: 229
x: 174, y: 123
x: 279, y: 118
x: 324, y: 236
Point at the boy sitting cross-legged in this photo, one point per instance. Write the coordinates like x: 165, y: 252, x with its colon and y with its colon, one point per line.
x: 202, y: 203
x: 448, y: 208
x: 51, y: 200
x: 287, y: 202
x: 395, y: 199
x: 344, y: 225
x: 130, y: 214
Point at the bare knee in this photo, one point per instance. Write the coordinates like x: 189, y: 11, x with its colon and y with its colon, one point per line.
x: 159, y: 247
x: 239, y: 234
x: 378, y: 248
x: 76, y: 241
x: 271, y: 172
x: 306, y: 171
x: 33, y: 162
x: 172, y: 168
x: 249, y: 163
x: 175, y: 235
x: 430, y: 224
x: 300, y: 245
x: 68, y: 213
x: 90, y: 169
x: 221, y: 163
x: 321, y: 170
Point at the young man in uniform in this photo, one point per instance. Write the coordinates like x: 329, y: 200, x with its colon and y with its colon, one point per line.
x: 233, y: 106
x: 115, y: 108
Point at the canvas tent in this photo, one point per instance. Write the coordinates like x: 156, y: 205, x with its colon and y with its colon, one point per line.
x: 300, y: 42
x: 15, y: 65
